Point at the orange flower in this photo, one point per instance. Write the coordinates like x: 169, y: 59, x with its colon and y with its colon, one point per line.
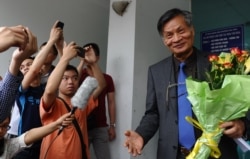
x: 228, y: 65
x: 236, y: 51
x: 213, y: 58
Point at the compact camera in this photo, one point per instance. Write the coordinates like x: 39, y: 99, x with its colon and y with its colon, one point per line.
x: 80, y: 52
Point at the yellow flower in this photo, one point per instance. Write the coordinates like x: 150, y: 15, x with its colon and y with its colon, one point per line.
x: 247, y: 65
x: 235, y: 62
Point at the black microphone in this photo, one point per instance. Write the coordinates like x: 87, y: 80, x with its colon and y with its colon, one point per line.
x: 81, y: 97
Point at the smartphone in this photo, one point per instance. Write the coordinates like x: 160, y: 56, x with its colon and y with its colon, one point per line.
x: 60, y: 25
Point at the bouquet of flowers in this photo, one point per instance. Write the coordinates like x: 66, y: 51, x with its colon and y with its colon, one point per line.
x: 223, y: 97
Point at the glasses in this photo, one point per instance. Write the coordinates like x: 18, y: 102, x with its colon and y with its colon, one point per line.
x: 169, y: 88
x: 5, y: 127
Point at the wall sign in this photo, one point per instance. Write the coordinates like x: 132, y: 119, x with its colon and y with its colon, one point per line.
x: 222, y: 39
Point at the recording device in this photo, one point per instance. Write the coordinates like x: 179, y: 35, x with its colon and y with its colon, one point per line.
x: 81, y: 97
x: 80, y: 52
x: 60, y: 25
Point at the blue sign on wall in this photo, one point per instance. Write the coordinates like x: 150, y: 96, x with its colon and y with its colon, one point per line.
x: 222, y: 39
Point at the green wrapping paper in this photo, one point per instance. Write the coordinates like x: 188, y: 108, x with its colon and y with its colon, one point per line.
x: 212, y: 107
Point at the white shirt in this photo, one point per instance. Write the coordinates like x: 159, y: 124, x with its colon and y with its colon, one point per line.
x: 14, y: 120
x: 12, y: 146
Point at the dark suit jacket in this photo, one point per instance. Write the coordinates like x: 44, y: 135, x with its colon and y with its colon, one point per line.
x: 161, y: 109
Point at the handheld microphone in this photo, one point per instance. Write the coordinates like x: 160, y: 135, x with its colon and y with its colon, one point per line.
x: 81, y: 97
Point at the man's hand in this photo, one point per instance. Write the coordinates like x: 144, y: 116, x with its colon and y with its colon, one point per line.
x: 19, y: 55
x: 56, y: 33
x: 15, y: 36
x: 111, y: 132
x: 90, y: 56
x: 31, y: 48
x: 234, y: 128
x: 134, y: 142
x: 70, y: 51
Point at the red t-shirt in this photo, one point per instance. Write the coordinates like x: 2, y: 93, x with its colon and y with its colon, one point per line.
x: 97, y: 118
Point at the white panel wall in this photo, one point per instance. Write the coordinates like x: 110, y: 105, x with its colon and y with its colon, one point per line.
x: 120, y: 65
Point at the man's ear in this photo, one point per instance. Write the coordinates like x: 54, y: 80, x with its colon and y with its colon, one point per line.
x: 193, y: 30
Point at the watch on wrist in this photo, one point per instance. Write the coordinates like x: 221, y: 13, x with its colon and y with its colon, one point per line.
x: 112, y: 125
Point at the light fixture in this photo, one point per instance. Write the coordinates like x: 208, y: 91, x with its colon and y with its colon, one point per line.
x: 120, y: 6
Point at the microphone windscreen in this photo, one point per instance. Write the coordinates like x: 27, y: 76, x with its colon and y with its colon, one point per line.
x: 81, y: 97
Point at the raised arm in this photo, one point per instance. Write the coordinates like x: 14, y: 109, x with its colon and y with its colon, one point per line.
x: 95, y: 71
x: 37, y: 64
x: 80, y: 67
x: 50, y: 93
x: 36, y: 134
x: 11, y: 81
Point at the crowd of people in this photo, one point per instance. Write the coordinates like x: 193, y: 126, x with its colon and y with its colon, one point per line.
x: 36, y: 97
x: 41, y: 92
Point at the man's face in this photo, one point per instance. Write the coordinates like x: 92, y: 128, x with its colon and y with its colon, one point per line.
x: 178, y: 36
x: 25, y: 66
x: 69, y: 83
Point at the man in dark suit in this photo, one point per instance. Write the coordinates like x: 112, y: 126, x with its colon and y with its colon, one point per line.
x: 176, y: 29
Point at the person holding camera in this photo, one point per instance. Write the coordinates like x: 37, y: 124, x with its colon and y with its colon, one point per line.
x: 26, y: 43
x: 30, y: 92
x: 100, y: 133
x: 62, y: 85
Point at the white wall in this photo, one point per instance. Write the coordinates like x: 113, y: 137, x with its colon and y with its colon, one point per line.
x: 133, y: 45
x: 85, y: 21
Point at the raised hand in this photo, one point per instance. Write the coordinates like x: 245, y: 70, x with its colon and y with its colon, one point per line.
x: 56, y: 33
x: 19, y: 55
x: 15, y: 36
x: 31, y: 47
x: 69, y: 51
x: 90, y: 56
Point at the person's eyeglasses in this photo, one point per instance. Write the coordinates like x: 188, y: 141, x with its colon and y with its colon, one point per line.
x: 170, y: 86
x: 5, y: 127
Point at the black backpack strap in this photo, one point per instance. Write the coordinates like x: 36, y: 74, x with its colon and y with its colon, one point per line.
x: 84, y: 151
